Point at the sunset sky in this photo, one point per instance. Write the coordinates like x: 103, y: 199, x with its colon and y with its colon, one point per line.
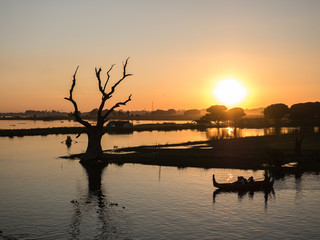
x: 179, y: 51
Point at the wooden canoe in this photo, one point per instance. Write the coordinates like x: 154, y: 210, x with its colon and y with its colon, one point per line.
x: 249, y: 186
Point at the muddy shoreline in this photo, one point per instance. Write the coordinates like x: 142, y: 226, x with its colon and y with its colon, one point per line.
x: 239, y: 153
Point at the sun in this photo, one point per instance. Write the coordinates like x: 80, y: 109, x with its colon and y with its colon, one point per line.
x: 230, y: 92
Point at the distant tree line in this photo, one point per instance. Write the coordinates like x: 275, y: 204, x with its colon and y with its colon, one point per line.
x: 163, y: 112
x: 298, y: 114
x: 114, y: 114
x: 157, y: 113
x: 190, y: 112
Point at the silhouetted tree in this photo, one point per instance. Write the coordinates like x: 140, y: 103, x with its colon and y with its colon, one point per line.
x: 276, y: 112
x: 94, y: 152
x: 235, y: 114
x: 216, y: 113
x: 302, y: 112
x: 160, y: 112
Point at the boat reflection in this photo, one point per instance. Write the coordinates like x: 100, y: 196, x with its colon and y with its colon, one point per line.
x: 269, y: 192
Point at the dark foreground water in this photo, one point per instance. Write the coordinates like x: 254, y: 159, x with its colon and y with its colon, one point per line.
x: 44, y: 197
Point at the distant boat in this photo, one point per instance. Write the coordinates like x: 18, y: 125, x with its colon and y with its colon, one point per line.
x: 267, y: 183
x: 68, y: 141
x: 120, y: 126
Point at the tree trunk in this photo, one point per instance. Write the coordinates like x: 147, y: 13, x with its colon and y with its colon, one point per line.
x: 94, y: 153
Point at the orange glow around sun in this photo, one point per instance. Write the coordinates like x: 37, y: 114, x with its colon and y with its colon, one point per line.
x: 230, y: 92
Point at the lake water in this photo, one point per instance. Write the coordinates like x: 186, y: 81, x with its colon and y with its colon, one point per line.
x: 210, y: 133
x: 25, y: 124
x: 45, y: 197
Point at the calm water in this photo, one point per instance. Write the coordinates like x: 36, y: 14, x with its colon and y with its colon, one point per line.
x: 24, y: 124
x: 44, y: 197
x: 210, y: 133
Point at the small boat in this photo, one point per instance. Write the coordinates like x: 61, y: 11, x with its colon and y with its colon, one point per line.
x: 68, y: 141
x: 267, y: 183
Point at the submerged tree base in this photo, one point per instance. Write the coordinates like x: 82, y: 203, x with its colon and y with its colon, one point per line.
x: 94, y: 172
x: 101, y: 162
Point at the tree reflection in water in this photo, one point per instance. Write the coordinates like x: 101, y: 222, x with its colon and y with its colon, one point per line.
x: 93, y: 206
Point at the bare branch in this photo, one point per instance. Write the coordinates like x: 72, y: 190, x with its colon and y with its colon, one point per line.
x: 109, y: 95
x: 99, y: 81
x: 114, y: 107
x: 79, y: 134
x: 106, y: 96
x: 125, y: 66
x: 73, y: 82
x: 76, y: 110
x: 104, y: 88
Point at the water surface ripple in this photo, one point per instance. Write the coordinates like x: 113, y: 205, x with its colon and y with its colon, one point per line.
x: 45, y: 197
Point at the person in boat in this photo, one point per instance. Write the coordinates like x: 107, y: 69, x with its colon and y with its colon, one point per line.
x: 242, y: 180
x: 68, y: 140
x: 266, y: 177
x: 250, y: 180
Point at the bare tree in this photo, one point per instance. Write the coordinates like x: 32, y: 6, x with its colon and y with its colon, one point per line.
x: 94, y: 151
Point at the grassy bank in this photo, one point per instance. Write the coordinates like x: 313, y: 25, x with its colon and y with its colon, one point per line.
x: 240, y: 153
